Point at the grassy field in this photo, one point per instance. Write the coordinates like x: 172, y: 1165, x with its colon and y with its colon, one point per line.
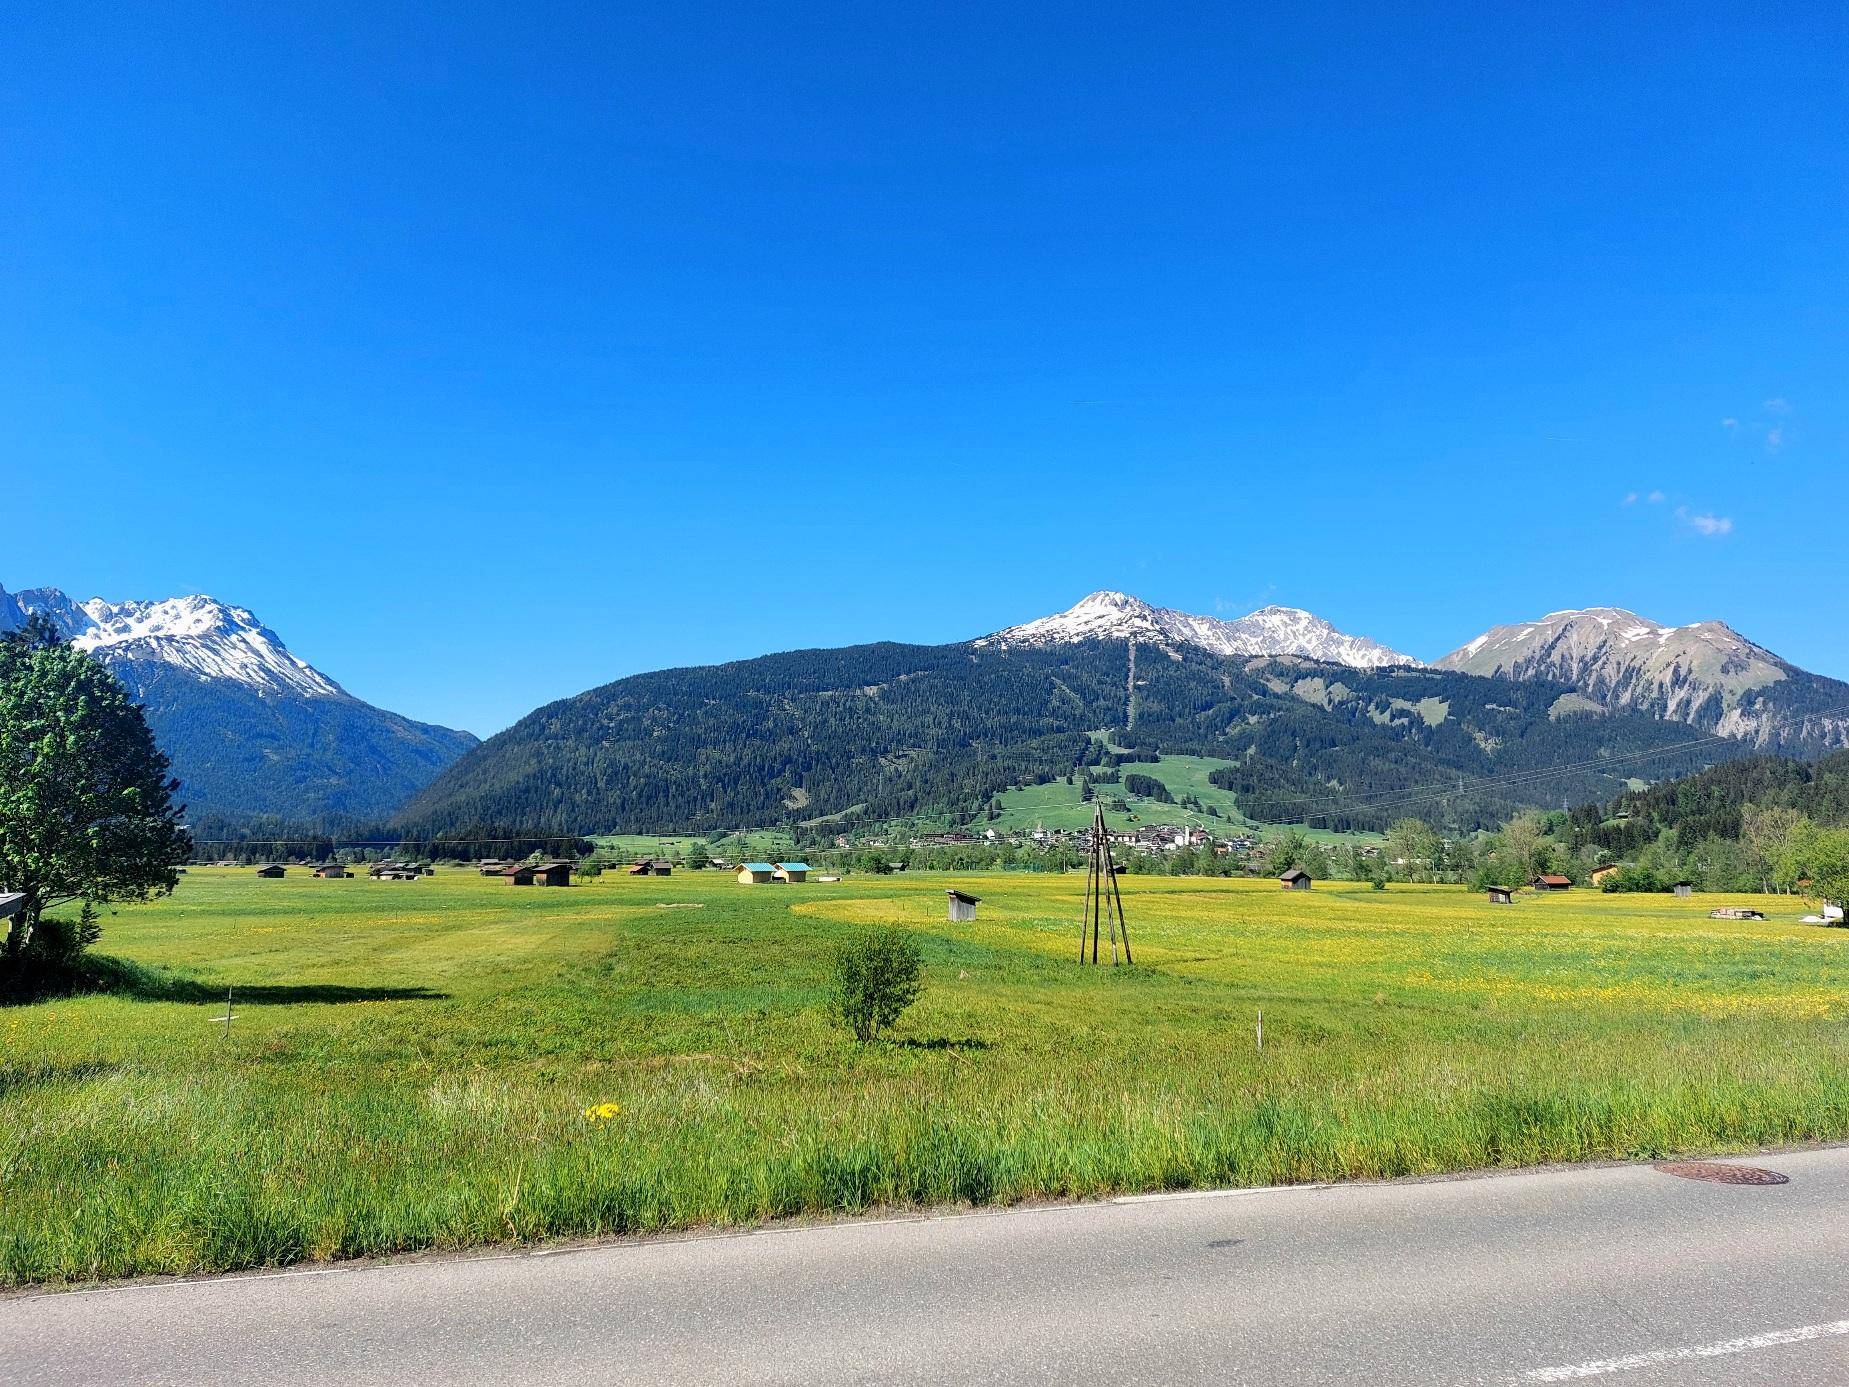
x: 410, y: 1063
x: 1057, y: 805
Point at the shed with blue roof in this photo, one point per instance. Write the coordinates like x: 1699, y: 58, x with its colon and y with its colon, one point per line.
x: 792, y: 871
x: 755, y: 873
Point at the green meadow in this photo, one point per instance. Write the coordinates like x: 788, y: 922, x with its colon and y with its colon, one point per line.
x: 409, y: 1065
x: 1057, y: 805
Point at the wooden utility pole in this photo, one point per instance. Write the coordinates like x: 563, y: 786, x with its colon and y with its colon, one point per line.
x: 1104, y: 902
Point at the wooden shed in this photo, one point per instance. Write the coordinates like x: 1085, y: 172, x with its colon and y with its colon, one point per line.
x: 755, y: 873
x: 962, y: 905
x: 492, y: 867
x: 792, y: 871
x: 1553, y: 881
x: 552, y: 874
x: 271, y: 870
x: 1501, y: 895
x: 331, y: 870
x: 1296, y: 879
x: 652, y: 867
x: 1600, y: 873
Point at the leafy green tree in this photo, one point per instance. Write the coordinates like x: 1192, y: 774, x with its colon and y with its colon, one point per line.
x: 1821, y: 856
x: 1414, y: 846
x: 1288, y: 849
x: 1769, y: 832
x: 877, y: 976
x: 86, y: 804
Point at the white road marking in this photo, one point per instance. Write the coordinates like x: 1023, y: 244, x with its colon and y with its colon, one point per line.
x: 1772, y: 1339
x: 1165, y: 1195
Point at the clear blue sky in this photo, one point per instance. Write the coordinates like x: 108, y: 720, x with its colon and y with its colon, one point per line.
x: 492, y: 356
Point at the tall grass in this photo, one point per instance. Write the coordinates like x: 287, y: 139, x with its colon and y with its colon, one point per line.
x: 408, y: 1063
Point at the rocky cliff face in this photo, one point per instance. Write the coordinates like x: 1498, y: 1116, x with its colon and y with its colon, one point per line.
x: 1705, y: 674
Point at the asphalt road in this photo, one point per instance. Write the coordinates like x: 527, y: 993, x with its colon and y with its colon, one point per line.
x: 1622, y: 1275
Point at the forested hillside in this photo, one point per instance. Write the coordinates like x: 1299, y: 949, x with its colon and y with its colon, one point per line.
x: 868, y: 733
x: 1714, y: 804
x: 241, y: 753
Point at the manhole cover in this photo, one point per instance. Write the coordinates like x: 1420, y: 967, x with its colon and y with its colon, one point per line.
x: 1722, y: 1174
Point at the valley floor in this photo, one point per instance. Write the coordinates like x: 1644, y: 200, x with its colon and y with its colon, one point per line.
x: 409, y: 1064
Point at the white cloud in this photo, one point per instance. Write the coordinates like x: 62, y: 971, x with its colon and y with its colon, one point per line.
x: 1775, y: 438
x: 1630, y: 498
x: 1713, y: 526
x: 1778, y: 404
x: 1656, y: 498
x: 1731, y: 424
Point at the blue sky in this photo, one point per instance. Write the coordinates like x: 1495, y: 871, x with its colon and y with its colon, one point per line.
x: 492, y: 355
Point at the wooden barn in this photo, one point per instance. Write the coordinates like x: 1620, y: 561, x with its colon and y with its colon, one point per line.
x: 491, y: 867
x: 792, y: 871
x: 1501, y: 895
x: 755, y: 873
x: 652, y: 867
x: 1600, y: 873
x: 962, y: 905
x: 1552, y: 881
x: 331, y: 871
x: 271, y: 870
x: 553, y: 873
x: 1296, y: 879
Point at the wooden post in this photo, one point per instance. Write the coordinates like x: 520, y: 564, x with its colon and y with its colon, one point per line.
x: 1104, y: 901
x: 1122, y: 923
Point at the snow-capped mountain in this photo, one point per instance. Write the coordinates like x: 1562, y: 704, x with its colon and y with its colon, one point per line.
x: 1117, y: 616
x: 1705, y: 674
x: 250, y: 727
x: 198, y: 634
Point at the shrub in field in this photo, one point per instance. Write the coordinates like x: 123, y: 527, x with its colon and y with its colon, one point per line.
x: 1627, y: 879
x: 877, y: 976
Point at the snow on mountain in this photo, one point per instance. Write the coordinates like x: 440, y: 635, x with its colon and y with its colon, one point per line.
x: 200, y: 635
x: 1705, y: 674
x: 251, y: 729
x: 1117, y: 616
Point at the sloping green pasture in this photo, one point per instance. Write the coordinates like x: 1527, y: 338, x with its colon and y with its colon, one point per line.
x: 409, y: 1063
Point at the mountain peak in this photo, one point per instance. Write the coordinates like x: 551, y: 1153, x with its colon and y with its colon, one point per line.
x: 207, y: 638
x: 250, y: 728
x: 1704, y: 673
x: 1273, y: 630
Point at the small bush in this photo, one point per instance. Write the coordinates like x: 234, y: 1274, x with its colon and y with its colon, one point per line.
x: 1627, y: 879
x: 877, y: 976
